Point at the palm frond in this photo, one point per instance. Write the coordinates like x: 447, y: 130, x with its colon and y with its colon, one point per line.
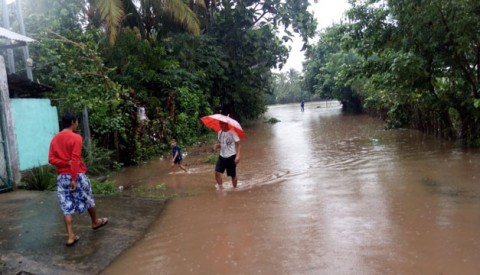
x: 180, y: 13
x: 112, y: 13
x: 201, y: 3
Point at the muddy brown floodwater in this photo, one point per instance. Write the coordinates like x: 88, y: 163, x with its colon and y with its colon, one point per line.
x: 319, y: 193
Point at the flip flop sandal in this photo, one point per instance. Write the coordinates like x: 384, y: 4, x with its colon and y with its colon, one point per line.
x: 77, y: 238
x: 104, y: 222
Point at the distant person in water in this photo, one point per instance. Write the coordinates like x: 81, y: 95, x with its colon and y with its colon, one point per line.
x: 302, y: 105
x: 229, y: 144
x: 176, y: 156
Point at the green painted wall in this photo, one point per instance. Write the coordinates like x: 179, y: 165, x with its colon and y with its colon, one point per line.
x: 35, y: 123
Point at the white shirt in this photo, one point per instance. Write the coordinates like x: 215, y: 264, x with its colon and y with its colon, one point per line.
x: 227, y: 143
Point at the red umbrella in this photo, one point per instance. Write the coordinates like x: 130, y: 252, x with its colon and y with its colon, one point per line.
x: 213, y: 122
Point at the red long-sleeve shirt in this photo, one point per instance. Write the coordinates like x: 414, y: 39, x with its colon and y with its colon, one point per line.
x: 66, y: 147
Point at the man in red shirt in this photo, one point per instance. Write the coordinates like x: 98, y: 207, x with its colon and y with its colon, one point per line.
x: 74, y: 191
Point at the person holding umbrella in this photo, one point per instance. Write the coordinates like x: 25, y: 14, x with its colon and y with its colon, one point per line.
x: 229, y: 144
x: 228, y: 141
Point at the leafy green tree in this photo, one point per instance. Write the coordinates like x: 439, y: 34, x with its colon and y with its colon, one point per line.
x: 60, y: 16
x: 450, y: 61
x: 79, y: 78
x: 429, y: 79
x: 331, y: 72
x: 148, y: 16
x: 154, y: 64
x: 288, y: 88
x: 247, y: 32
x: 172, y: 88
x: 71, y: 61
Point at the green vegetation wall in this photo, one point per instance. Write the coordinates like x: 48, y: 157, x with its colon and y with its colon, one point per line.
x: 415, y: 63
x: 177, y: 62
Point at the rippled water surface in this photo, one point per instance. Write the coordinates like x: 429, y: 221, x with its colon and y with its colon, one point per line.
x: 319, y: 193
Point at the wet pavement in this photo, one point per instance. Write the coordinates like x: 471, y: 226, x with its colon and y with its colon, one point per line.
x: 32, y: 233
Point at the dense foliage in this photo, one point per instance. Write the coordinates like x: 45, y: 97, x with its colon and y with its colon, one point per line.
x: 288, y: 88
x: 176, y: 59
x: 414, y: 62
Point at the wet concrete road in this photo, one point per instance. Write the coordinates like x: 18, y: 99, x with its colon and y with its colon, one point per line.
x: 32, y: 233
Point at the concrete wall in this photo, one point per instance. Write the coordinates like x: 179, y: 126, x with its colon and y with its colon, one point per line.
x: 7, y: 118
x: 36, y: 122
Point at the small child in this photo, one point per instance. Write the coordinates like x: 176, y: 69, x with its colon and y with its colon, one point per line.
x: 176, y: 156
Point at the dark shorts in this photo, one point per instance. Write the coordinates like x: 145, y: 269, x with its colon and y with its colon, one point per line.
x: 177, y: 160
x: 226, y: 163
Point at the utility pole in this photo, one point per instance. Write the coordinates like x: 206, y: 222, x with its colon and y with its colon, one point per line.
x: 26, y: 56
x: 6, y: 24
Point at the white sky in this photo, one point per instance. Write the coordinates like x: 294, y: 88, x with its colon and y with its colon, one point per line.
x: 327, y: 12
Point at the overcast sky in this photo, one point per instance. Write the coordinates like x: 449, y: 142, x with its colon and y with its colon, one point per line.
x: 326, y: 12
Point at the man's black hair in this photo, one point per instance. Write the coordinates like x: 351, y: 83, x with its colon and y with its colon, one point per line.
x: 68, y: 118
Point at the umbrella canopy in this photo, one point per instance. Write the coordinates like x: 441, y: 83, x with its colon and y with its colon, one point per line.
x: 213, y: 122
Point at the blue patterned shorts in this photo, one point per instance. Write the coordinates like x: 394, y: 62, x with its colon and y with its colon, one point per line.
x: 78, y: 201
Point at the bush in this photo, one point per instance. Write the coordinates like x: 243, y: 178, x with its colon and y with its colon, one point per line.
x: 98, y: 159
x: 103, y: 188
x: 211, y: 159
x: 158, y: 191
x: 272, y: 120
x: 44, y: 178
x: 41, y: 178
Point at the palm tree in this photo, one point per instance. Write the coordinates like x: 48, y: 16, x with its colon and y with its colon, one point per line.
x: 210, y: 6
x: 146, y: 15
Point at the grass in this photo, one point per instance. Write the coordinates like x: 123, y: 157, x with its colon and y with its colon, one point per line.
x: 41, y: 178
x: 103, y: 188
x: 44, y: 178
x: 154, y: 192
x: 212, y: 158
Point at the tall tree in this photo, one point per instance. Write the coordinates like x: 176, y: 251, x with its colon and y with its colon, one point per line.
x: 288, y: 88
x: 147, y: 16
x: 332, y: 71
x: 421, y: 62
x: 248, y: 32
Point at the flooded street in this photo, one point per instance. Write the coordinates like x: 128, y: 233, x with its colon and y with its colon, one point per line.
x: 319, y: 193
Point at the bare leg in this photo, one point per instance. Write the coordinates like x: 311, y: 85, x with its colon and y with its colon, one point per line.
x: 93, y: 216
x: 96, y: 222
x: 183, y: 168
x: 69, y: 226
x: 234, y: 182
x: 218, y: 178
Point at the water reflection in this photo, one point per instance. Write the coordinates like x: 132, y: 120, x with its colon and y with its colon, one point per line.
x: 319, y: 193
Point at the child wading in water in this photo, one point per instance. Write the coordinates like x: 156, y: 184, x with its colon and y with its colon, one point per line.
x: 176, y: 156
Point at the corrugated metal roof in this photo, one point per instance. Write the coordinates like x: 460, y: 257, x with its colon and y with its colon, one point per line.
x: 4, y: 33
